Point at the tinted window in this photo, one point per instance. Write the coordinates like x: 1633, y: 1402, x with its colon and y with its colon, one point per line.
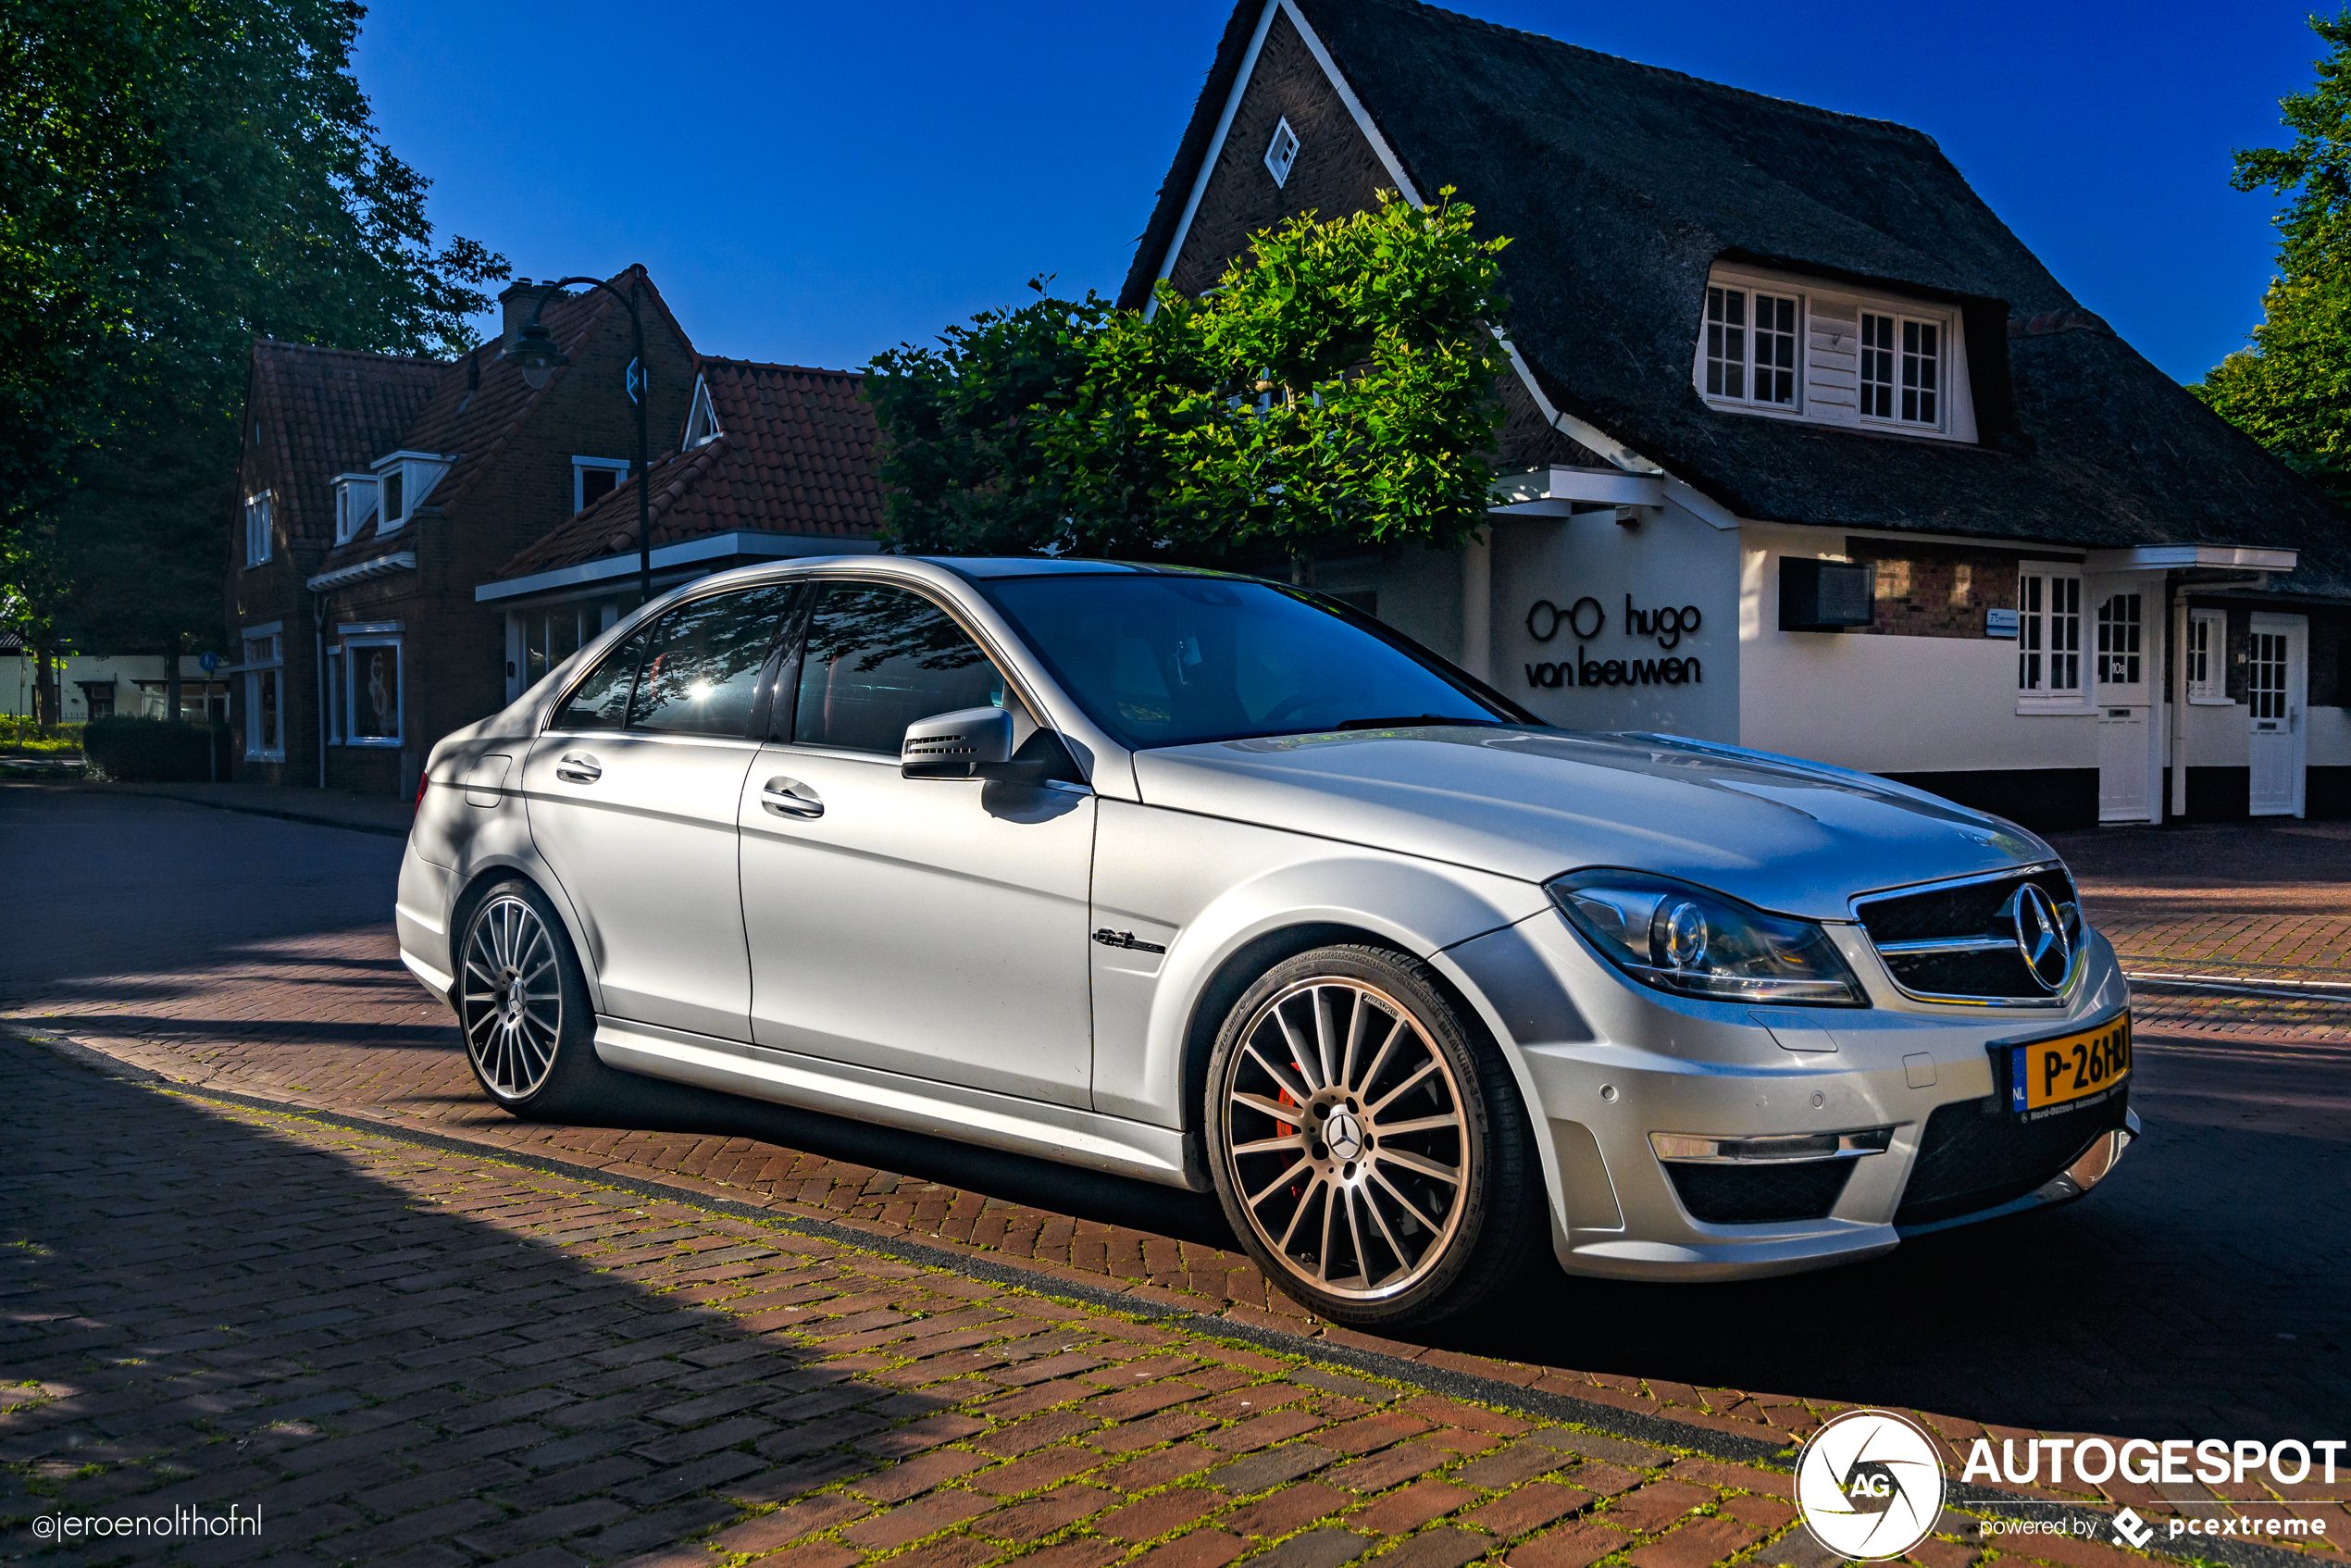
x: 1164, y: 661
x: 876, y: 660
x: 601, y: 702
x: 703, y: 669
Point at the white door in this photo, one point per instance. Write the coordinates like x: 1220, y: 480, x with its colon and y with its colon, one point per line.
x: 2276, y: 691
x: 2120, y: 667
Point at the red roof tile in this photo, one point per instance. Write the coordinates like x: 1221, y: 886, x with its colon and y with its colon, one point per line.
x: 796, y: 456
x: 331, y: 411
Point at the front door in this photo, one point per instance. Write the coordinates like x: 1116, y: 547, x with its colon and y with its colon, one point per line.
x: 2276, y: 690
x: 930, y: 926
x: 2121, y: 670
x: 633, y: 792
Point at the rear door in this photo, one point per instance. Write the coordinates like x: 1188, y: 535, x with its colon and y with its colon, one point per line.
x: 633, y: 792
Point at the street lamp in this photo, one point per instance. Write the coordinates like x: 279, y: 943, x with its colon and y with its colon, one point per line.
x: 535, y: 354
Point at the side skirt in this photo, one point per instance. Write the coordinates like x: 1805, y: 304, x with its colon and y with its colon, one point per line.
x: 1059, y: 1132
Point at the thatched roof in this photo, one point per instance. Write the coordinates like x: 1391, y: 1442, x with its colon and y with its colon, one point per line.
x: 1621, y: 184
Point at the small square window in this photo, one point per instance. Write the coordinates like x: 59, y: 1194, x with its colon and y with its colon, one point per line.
x: 1282, y: 153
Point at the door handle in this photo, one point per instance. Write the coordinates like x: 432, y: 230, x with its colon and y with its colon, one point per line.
x: 789, y: 797
x: 579, y: 768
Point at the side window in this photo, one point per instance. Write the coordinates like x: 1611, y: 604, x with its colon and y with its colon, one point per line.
x: 877, y: 659
x: 703, y: 669
x: 601, y: 702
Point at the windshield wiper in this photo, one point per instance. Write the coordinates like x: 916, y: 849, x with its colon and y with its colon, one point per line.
x: 1405, y: 721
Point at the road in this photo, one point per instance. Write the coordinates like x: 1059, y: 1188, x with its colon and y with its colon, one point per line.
x: 2196, y: 1294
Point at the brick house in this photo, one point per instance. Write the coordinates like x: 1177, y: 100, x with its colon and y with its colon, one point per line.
x: 771, y: 461
x: 1804, y: 450
x: 378, y: 490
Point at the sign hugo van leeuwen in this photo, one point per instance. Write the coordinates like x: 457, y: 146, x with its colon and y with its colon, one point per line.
x: 1585, y: 619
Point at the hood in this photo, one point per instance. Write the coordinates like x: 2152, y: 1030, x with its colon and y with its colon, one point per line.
x: 1794, y: 837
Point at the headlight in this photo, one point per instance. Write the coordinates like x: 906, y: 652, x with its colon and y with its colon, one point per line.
x: 1692, y: 943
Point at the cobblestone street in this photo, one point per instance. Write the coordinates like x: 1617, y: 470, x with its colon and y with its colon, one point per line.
x: 2197, y: 1294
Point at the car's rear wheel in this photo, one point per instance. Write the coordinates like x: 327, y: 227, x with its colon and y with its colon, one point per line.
x: 1369, y: 1148
x: 523, y: 1005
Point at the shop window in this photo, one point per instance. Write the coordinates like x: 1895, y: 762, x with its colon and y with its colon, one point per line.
x: 2118, y: 658
x: 265, y: 694
x: 2208, y: 641
x: 1750, y: 346
x: 2049, y: 646
x: 372, y: 690
x: 257, y: 531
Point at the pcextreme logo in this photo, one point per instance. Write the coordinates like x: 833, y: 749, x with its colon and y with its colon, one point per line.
x: 1869, y: 1486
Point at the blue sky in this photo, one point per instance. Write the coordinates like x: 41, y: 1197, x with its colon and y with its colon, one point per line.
x: 812, y: 183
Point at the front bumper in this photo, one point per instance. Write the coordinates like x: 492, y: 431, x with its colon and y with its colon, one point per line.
x: 1605, y: 1064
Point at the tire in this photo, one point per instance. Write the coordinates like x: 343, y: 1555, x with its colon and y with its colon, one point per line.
x: 523, y: 1008
x: 1347, y: 1207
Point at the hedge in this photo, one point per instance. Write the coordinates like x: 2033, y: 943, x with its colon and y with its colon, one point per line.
x: 149, y: 751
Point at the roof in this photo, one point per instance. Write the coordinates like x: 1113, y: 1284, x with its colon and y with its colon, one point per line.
x: 322, y: 404
x: 1621, y: 184
x: 796, y: 456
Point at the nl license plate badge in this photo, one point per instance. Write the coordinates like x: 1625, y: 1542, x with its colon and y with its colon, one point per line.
x: 2066, y: 1072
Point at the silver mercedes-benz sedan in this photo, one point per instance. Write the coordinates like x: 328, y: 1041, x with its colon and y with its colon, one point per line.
x: 1214, y: 882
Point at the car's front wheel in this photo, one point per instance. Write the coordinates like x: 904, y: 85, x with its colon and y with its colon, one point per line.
x: 1370, y: 1149
x: 523, y: 1005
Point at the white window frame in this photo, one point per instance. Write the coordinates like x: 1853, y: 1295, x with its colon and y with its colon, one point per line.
x: 1281, y: 153
x: 353, y: 641
x: 1828, y: 356
x: 336, y: 697
x: 1709, y: 356
x: 702, y: 423
x: 260, y: 531
x: 2209, y: 687
x: 356, y: 497
x: 617, y: 467
x: 418, y: 472
x: 271, y: 666
x: 2037, y: 621
x: 1899, y: 356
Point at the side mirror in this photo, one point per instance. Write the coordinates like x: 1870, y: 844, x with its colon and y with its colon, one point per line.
x: 967, y: 743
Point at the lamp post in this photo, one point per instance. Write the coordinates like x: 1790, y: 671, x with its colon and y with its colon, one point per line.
x: 536, y: 355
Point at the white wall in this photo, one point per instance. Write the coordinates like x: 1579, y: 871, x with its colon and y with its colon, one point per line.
x: 1885, y: 704
x: 2329, y: 737
x: 19, y: 672
x: 1673, y: 559
x: 2216, y: 735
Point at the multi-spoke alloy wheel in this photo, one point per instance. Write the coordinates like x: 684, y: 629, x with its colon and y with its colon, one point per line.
x: 1356, y: 1140
x: 530, y: 1031
x: 512, y: 997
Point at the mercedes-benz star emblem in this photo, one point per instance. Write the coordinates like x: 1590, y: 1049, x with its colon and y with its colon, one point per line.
x: 1345, y: 1134
x: 2042, y: 938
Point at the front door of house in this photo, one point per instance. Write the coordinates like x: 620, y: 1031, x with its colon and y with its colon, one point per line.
x: 2121, y: 657
x: 2276, y: 691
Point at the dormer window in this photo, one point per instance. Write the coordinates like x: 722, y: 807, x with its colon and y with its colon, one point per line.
x: 1281, y: 154
x: 1786, y: 346
x: 355, y: 498
x: 701, y: 424
x: 404, y: 479
x: 592, y: 478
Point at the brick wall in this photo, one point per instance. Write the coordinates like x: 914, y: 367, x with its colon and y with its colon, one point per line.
x: 1937, y: 590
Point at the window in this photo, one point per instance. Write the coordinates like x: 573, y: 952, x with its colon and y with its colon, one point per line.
x: 601, y: 701
x: 704, y: 664
x: 1901, y: 369
x: 592, y: 478
x: 878, y: 659
x: 354, y: 505
x: 265, y: 672
x: 1750, y: 346
x: 406, y: 477
x: 257, y: 531
x: 2118, y: 660
x: 2207, y: 641
x: 395, y: 501
x: 701, y: 424
x: 2049, y: 646
x: 2265, y: 675
x: 338, y: 698
x: 1281, y: 153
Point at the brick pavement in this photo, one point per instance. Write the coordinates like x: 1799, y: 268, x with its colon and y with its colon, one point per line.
x: 332, y: 1022
x: 403, y: 1355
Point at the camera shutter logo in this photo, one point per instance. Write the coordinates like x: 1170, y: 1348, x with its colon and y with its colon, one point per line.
x: 1869, y: 1484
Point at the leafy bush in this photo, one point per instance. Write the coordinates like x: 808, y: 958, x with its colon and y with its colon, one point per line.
x: 21, y: 735
x: 148, y: 751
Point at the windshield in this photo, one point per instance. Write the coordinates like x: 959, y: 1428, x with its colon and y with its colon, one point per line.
x: 1166, y: 661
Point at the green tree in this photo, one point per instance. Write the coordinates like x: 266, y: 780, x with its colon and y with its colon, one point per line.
x: 1336, y: 386
x: 2291, y: 390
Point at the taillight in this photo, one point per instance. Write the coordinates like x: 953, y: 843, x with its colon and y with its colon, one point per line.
x: 424, y: 777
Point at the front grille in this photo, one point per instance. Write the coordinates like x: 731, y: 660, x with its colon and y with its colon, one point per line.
x: 1762, y: 1194
x: 1977, y: 909
x: 1976, y: 1156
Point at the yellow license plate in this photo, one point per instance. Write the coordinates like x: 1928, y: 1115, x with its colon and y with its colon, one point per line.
x: 2054, y: 1072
